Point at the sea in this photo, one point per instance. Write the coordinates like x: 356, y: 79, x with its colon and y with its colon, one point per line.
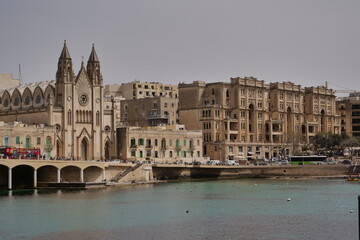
x: 249, y: 209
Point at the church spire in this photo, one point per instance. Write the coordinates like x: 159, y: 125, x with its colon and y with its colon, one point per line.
x: 64, y: 72
x: 93, y: 68
x: 93, y: 56
x: 65, y: 52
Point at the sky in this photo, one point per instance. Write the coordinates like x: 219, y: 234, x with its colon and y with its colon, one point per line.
x: 306, y: 42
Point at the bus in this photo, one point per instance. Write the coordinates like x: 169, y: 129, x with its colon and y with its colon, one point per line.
x: 310, y: 158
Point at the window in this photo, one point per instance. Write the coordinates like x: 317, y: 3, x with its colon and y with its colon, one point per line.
x: 132, y: 142
x: 156, y: 142
x: 6, y: 141
x: 184, y: 142
x: 17, y: 139
x: 27, y: 142
x: 133, y: 153
x: 6, y: 103
x: 140, y: 141
x: 48, y: 141
x: 27, y: 100
x: 16, y: 101
x: 38, y: 99
x: 69, y: 117
x: 38, y: 140
x: 230, y: 149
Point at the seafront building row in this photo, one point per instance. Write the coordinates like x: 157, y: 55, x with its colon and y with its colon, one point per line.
x: 245, y: 118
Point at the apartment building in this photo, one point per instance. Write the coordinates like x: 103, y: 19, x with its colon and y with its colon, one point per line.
x: 349, y: 109
x: 248, y: 118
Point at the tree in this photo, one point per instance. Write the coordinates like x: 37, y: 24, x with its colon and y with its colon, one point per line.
x: 327, y: 141
x: 349, y: 143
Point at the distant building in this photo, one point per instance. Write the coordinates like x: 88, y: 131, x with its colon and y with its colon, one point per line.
x: 349, y: 109
x: 149, y: 111
x: 20, y: 135
x: 249, y: 118
x: 160, y: 144
x: 139, y: 90
x: 7, y: 81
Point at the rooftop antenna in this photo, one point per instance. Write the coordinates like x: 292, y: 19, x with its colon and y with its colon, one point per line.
x: 20, y: 77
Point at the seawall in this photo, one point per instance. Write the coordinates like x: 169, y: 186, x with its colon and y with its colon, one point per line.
x: 181, y: 172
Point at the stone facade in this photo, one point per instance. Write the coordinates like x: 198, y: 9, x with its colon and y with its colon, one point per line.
x: 21, y: 135
x: 149, y: 111
x: 160, y: 144
x: 248, y: 118
x: 349, y: 109
x: 139, y: 90
x: 7, y: 81
x: 75, y: 104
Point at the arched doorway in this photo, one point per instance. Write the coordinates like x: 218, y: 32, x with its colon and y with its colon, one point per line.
x: 84, y: 149
x: 59, y: 149
x: 107, y: 150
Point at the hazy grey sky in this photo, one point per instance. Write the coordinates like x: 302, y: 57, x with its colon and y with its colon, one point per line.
x: 303, y: 41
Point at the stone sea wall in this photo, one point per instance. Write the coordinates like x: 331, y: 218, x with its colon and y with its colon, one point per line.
x: 179, y: 172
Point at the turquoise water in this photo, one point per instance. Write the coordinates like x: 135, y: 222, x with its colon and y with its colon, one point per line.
x: 233, y: 209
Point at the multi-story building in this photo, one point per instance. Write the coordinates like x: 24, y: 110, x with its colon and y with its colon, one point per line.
x: 7, y: 81
x: 249, y: 118
x: 160, y: 144
x: 138, y: 90
x: 149, y: 111
x: 19, y: 135
x: 84, y: 118
x: 146, y: 104
x: 349, y: 109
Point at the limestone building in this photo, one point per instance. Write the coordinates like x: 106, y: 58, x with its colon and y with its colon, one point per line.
x: 139, y: 90
x: 248, y: 118
x: 160, y: 144
x: 349, y: 109
x: 146, y: 104
x: 20, y: 135
x: 75, y: 104
x: 149, y: 111
x: 7, y: 81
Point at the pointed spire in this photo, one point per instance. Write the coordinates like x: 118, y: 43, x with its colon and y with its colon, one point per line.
x: 93, y: 56
x: 65, y: 52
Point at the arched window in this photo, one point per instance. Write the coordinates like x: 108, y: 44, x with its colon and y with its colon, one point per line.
x: 6, y: 103
x: 97, y: 118
x: 69, y: 117
x: 27, y: 100
x: 163, y: 143
x: 38, y: 99
x: 16, y: 101
x: 48, y: 141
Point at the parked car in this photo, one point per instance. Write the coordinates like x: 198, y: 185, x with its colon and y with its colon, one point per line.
x: 330, y: 162
x: 284, y: 162
x: 346, y: 161
x: 261, y: 163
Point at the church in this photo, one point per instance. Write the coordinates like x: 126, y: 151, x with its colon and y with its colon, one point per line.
x: 85, y: 120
